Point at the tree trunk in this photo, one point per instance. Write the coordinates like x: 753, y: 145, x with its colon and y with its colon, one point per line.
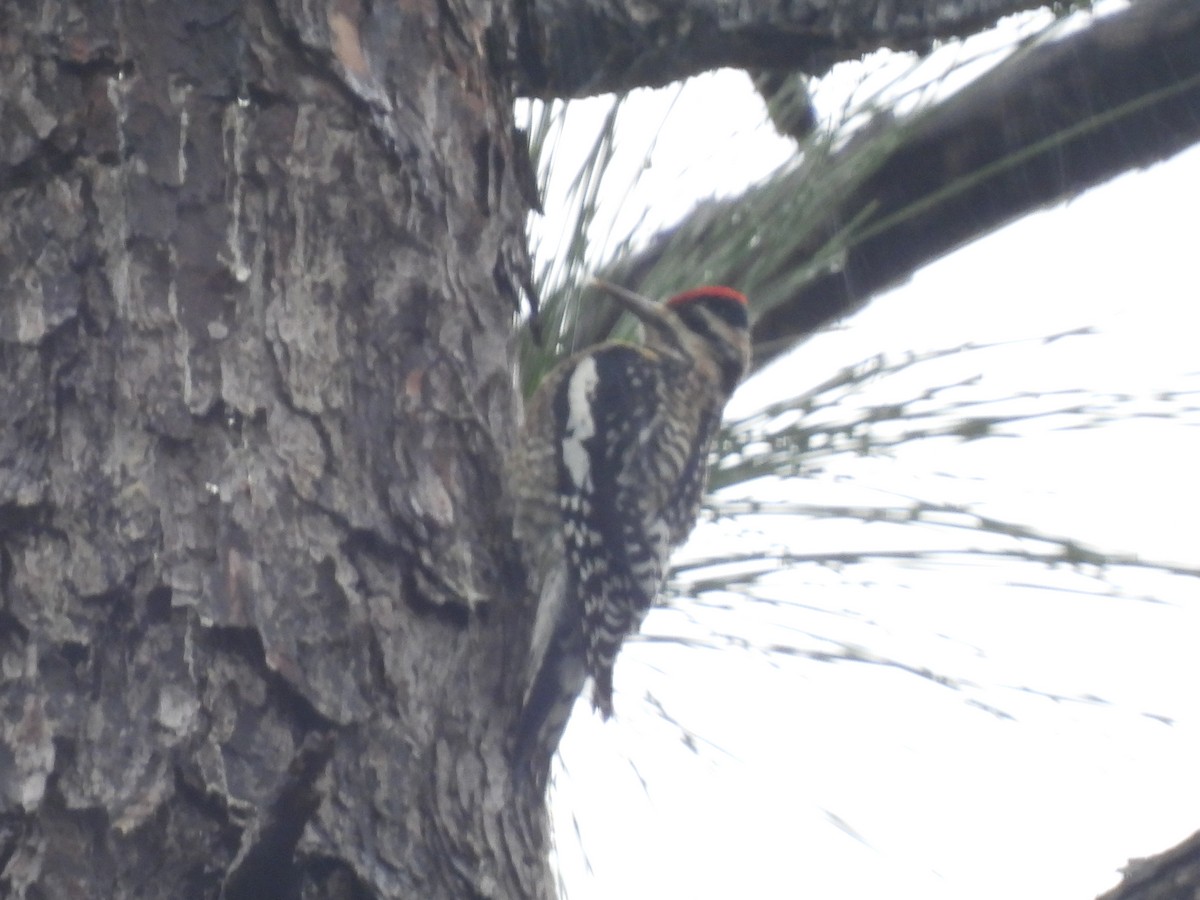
x: 260, y: 265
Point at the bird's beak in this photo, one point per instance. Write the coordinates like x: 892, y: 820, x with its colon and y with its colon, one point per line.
x: 653, y: 314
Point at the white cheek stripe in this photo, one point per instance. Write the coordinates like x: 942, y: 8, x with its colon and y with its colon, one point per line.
x: 580, y: 423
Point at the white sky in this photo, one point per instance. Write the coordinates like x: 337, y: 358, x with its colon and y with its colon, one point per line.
x: 846, y: 780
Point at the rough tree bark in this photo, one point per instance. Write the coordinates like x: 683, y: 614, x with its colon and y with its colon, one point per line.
x: 260, y: 268
x: 261, y: 619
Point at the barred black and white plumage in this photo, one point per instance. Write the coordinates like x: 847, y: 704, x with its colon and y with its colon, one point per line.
x: 609, y: 477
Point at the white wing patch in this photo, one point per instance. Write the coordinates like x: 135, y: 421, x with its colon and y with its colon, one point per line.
x: 581, y: 424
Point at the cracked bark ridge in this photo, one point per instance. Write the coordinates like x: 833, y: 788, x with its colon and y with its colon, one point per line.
x: 260, y: 262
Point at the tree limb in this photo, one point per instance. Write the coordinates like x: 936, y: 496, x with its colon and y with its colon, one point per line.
x: 1171, y: 875
x: 1051, y: 121
x: 573, y: 48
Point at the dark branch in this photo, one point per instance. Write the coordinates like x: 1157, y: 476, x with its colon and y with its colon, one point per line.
x: 1052, y: 122
x: 1172, y: 875
x: 574, y: 48
x: 1055, y: 119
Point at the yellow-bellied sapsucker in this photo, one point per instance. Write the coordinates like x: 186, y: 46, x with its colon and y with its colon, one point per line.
x: 608, y: 481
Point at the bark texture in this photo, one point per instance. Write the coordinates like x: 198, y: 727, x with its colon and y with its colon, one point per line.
x: 260, y: 267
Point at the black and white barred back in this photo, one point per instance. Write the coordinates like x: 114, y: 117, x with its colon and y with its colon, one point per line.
x: 609, y: 477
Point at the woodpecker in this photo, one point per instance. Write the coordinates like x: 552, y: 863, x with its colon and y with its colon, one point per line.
x: 609, y: 474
